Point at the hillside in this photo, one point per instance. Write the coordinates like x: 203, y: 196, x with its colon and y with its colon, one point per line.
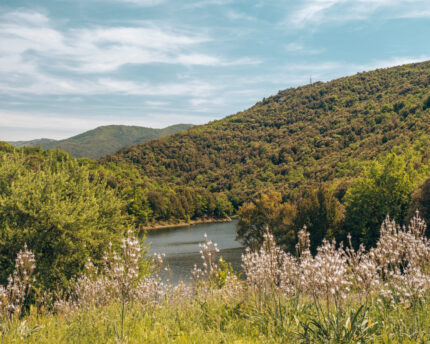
x: 301, y: 136
x: 37, y: 142
x: 103, y: 140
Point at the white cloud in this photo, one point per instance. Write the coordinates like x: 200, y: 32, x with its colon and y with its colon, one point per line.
x: 41, y: 84
x: 143, y: 2
x: 156, y: 104
x: 36, y: 58
x: 97, y: 50
x: 329, y: 11
x: 204, y: 3
x: 295, y: 47
x: 236, y: 15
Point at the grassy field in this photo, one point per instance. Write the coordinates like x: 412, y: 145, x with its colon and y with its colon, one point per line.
x: 220, y: 319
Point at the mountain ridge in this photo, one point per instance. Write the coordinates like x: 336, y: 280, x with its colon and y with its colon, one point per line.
x: 103, y: 140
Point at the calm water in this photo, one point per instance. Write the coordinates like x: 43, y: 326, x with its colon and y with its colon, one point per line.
x: 181, y: 246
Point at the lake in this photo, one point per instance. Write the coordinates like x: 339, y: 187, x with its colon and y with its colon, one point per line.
x: 181, y: 247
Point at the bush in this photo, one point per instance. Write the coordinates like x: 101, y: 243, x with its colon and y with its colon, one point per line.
x: 385, y: 188
x: 64, y: 215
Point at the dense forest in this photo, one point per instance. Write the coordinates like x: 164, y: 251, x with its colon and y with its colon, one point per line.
x: 302, y: 136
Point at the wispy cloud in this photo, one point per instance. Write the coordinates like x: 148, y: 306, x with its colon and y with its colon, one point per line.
x: 100, y: 49
x: 333, y: 11
x: 41, y: 84
x: 204, y: 3
x: 236, y: 15
x: 295, y: 47
x: 36, y: 58
x: 143, y: 2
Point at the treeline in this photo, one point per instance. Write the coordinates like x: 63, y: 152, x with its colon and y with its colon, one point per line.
x: 159, y: 203
x: 146, y: 201
x: 391, y: 186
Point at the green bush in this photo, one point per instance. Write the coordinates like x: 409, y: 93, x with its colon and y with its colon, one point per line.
x: 385, y: 189
x: 61, y: 212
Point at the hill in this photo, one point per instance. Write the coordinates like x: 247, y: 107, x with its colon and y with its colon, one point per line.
x: 299, y: 137
x: 37, y: 142
x: 103, y: 140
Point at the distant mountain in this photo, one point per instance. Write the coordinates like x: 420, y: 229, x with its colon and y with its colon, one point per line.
x: 103, y: 140
x: 37, y: 142
x: 300, y: 137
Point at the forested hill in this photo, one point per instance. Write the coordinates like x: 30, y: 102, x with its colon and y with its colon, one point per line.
x: 103, y: 140
x: 300, y: 136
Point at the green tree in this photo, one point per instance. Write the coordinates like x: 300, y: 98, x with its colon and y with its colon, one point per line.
x: 223, y: 206
x: 266, y: 210
x: 421, y: 202
x: 385, y: 189
x: 64, y: 216
x: 139, y: 206
x: 321, y: 213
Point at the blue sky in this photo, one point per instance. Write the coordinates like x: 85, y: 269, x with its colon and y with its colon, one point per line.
x: 67, y: 66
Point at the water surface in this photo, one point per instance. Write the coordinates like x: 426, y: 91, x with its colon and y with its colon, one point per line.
x: 181, y: 246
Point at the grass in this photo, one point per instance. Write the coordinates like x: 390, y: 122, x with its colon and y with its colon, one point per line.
x: 213, y: 319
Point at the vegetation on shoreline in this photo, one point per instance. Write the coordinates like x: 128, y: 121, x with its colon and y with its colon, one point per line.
x: 184, y: 224
x: 386, y: 187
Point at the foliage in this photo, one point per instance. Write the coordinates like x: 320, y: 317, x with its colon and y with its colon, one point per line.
x: 63, y: 213
x: 104, y: 140
x: 385, y: 189
x: 146, y: 201
x: 421, y: 202
x: 321, y: 213
x: 265, y: 211
x: 318, y: 210
x: 298, y: 138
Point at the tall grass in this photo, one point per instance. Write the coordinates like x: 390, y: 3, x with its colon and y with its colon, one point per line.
x: 340, y: 295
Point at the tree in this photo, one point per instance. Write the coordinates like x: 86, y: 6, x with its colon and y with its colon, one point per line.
x: 139, y: 206
x: 267, y: 210
x: 63, y: 215
x: 385, y: 189
x: 421, y: 202
x: 321, y: 213
x: 223, y: 206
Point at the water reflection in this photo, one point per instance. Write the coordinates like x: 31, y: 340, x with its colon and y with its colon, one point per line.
x: 181, y: 246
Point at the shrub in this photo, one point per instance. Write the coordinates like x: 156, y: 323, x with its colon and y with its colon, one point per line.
x: 385, y: 188
x: 63, y: 214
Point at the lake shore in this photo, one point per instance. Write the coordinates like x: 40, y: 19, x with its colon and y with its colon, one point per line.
x: 184, y: 224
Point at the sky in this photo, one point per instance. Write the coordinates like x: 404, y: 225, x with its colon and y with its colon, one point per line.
x: 67, y: 66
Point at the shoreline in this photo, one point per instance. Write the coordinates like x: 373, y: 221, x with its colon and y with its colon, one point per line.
x: 184, y: 224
